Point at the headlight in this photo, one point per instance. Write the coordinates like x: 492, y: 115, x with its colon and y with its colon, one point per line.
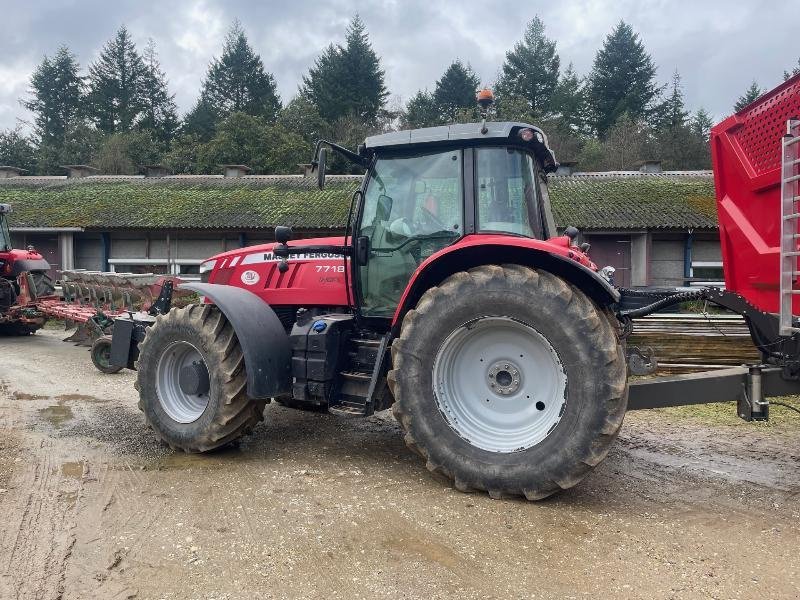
x: 205, y: 269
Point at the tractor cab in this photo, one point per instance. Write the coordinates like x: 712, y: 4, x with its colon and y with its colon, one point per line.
x: 427, y: 189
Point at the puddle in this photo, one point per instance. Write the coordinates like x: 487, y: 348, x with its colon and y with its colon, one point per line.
x: 56, y: 415
x: 73, y: 470
x: 26, y: 396
x: 60, y: 397
x: 78, y: 398
x: 179, y: 461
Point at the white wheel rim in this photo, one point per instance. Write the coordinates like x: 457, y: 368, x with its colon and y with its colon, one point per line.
x: 179, y: 406
x: 500, y: 384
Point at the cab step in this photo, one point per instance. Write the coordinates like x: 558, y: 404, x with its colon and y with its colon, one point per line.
x: 353, y: 391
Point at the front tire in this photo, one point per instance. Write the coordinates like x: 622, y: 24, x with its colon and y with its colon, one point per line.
x: 509, y: 380
x: 192, y: 380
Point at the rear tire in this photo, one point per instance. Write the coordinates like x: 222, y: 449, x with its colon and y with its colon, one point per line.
x: 43, y: 283
x: 101, y: 353
x: 195, y: 422
x: 484, y: 438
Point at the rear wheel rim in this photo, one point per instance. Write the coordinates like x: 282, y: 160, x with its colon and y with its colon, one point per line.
x: 179, y: 405
x: 499, y: 384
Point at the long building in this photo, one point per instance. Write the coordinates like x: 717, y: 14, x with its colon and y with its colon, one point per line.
x: 655, y: 228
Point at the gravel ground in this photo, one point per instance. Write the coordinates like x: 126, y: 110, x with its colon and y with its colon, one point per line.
x: 687, y: 505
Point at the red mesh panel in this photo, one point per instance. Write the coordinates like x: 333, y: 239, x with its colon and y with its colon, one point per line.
x: 764, y: 121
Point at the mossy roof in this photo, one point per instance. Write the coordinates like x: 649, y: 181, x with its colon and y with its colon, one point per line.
x: 598, y: 201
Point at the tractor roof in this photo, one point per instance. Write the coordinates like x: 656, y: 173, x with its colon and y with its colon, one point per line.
x: 462, y: 133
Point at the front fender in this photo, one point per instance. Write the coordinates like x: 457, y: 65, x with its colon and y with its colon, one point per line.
x: 29, y: 264
x: 265, y: 345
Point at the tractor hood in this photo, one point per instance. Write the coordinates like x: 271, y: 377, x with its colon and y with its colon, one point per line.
x: 316, y: 278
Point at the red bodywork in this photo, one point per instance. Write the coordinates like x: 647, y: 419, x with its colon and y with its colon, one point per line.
x: 746, y: 154
x: 9, y: 257
x: 320, y: 280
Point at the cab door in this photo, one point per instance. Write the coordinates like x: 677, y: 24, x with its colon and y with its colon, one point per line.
x: 413, y: 207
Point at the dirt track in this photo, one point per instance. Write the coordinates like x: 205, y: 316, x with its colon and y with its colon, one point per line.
x: 312, y: 506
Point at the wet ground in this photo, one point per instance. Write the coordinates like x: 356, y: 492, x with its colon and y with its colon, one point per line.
x: 689, y: 504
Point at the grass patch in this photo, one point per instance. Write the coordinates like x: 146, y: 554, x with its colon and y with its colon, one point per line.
x: 724, y: 414
x: 54, y: 324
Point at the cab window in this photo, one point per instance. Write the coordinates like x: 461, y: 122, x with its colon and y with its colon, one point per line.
x: 506, y: 192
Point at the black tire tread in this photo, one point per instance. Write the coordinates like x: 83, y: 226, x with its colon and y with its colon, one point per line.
x: 108, y: 369
x: 43, y: 283
x: 611, y: 389
x: 237, y: 413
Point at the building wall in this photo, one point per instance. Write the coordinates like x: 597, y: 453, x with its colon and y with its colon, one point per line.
x: 667, y: 256
x: 654, y: 258
x: 88, y: 251
x: 134, y: 251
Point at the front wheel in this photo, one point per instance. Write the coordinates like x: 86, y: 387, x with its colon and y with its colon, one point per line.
x: 509, y: 380
x: 192, y: 380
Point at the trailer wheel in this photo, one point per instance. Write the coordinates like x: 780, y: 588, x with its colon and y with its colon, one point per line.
x: 101, y: 355
x: 509, y: 380
x: 43, y: 283
x: 192, y: 380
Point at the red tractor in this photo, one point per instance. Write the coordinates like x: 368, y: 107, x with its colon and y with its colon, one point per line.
x: 452, y: 298
x: 23, y: 278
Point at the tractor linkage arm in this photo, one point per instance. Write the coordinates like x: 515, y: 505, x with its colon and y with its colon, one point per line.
x: 748, y: 385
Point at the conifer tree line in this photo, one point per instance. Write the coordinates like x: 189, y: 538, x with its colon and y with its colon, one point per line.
x: 119, y: 115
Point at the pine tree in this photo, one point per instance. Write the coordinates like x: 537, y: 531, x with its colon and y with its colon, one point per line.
x: 238, y: 82
x: 57, y: 92
x: 750, y: 95
x: 531, y: 69
x: 699, y: 154
x: 622, y: 79
x: 673, y: 142
x: 159, y: 115
x: 115, y: 85
x: 455, y: 91
x: 569, y: 102
x: 421, y: 111
x: 701, y: 124
x: 671, y: 113
x: 347, y: 80
x: 200, y: 121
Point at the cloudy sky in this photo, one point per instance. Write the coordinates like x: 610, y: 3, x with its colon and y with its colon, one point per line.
x: 719, y: 47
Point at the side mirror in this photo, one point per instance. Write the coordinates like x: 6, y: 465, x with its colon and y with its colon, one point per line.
x: 321, y: 167
x: 384, y: 208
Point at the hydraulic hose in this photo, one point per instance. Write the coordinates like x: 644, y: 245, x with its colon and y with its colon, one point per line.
x: 669, y: 300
